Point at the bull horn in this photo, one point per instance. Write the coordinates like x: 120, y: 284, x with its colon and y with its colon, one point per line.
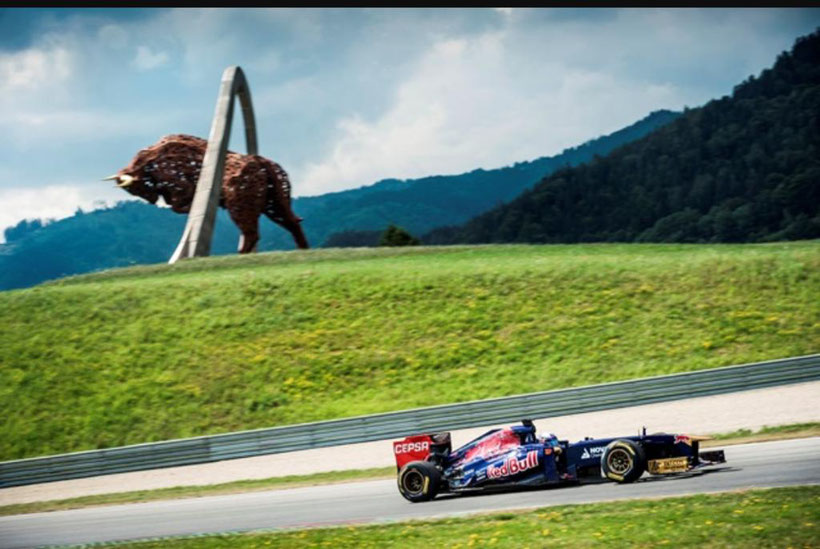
x: 122, y: 180
x: 125, y: 180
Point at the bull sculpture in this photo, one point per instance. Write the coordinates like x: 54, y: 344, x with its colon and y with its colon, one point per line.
x: 251, y: 185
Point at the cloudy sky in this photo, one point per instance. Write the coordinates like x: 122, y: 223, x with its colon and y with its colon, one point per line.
x: 346, y: 97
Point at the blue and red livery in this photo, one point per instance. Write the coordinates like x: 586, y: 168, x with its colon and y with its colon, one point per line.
x: 517, y: 457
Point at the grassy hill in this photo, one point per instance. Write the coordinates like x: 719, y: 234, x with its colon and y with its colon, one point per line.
x: 226, y: 343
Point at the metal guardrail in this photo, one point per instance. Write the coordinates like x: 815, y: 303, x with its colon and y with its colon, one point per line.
x: 398, y: 424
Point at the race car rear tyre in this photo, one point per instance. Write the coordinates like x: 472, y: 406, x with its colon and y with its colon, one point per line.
x: 419, y: 481
x: 623, y: 461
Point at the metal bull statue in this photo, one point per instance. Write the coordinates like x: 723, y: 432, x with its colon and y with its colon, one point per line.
x: 251, y: 185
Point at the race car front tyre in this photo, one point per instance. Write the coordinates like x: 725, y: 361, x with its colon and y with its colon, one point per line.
x: 419, y: 481
x: 623, y: 461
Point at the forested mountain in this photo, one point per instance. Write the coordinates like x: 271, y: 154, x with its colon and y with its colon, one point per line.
x: 139, y: 233
x: 743, y: 168
x: 419, y: 205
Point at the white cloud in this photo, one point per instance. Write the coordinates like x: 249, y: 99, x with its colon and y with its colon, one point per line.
x: 481, y: 101
x: 34, y: 69
x: 146, y: 59
x: 53, y: 201
x: 538, y: 82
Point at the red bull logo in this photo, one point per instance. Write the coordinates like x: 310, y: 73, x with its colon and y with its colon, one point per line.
x: 513, y: 466
x: 684, y: 439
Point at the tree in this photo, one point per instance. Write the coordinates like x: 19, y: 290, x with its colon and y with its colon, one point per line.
x: 396, y: 236
x: 352, y: 239
x: 23, y: 228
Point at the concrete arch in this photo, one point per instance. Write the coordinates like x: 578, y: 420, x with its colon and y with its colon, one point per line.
x: 196, y: 238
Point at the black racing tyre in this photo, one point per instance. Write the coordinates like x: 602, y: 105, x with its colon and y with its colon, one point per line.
x: 623, y: 461
x: 419, y: 481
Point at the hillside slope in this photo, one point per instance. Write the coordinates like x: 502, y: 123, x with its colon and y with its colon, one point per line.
x: 739, y: 169
x: 139, y: 233
x: 238, y: 342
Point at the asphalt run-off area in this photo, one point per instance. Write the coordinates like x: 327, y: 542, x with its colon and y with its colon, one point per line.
x: 758, y: 465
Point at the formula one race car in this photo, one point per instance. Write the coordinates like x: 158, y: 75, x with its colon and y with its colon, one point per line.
x: 516, y: 457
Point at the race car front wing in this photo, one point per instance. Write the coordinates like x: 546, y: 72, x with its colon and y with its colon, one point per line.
x: 683, y: 464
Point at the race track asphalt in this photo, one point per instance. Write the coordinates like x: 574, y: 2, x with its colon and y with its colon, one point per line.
x: 769, y: 464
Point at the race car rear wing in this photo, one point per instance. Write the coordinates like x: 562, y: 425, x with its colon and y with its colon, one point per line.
x: 420, y: 447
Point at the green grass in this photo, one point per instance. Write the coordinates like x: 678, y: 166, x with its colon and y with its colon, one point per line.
x: 333, y: 477
x: 780, y: 432
x: 229, y: 343
x: 780, y: 517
